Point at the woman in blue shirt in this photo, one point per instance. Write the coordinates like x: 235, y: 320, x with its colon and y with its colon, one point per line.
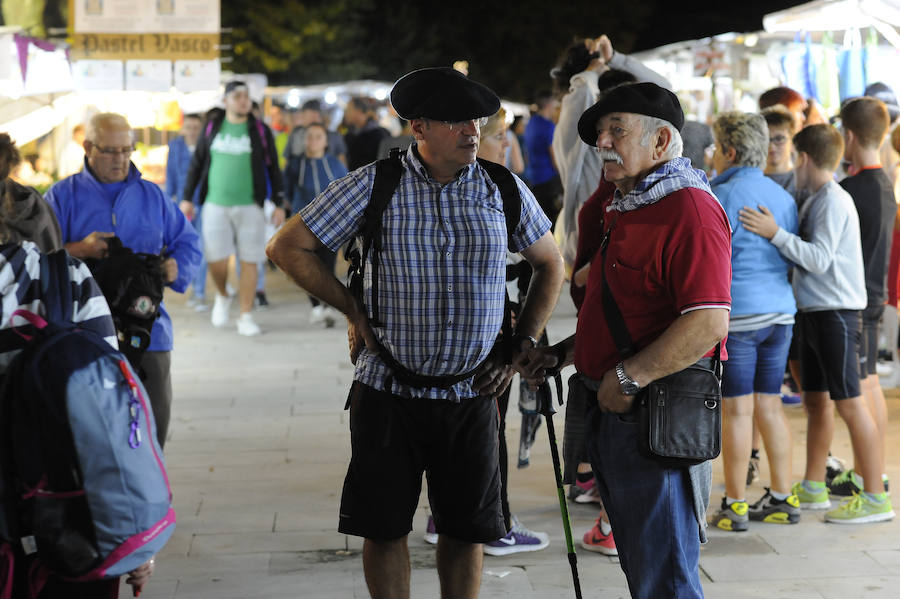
x: 759, y: 333
x: 308, y: 175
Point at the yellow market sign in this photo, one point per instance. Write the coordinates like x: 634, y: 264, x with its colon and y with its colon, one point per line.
x: 145, y: 46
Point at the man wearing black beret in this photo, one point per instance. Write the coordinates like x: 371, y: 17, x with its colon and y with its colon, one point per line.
x: 657, y: 236
x: 440, y: 297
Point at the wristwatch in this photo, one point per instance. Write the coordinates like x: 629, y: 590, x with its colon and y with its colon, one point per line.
x: 628, y: 385
x: 519, y: 338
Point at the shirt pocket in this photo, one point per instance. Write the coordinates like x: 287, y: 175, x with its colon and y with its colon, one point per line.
x: 627, y: 283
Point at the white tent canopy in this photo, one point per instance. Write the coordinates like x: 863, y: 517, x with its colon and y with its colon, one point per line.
x: 839, y: 15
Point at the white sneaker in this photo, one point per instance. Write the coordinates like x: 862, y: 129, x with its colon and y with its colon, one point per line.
x: 219, y: 316
x: 230, y: 290
x: 317, y: 314
x: 201, y: 307
x: 246, y: 326
x: 330, y: 316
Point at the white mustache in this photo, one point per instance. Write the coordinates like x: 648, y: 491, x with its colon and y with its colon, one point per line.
x: 610, y: 156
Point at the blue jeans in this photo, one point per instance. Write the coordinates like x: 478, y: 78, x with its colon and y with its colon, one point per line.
x: 756, y: 360
x: 651, y: 510
x: 199, y: 282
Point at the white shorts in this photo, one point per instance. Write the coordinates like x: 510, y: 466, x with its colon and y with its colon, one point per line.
x: 239, y: 230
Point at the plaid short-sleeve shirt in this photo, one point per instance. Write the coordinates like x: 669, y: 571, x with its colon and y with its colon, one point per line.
x: 442, y: 267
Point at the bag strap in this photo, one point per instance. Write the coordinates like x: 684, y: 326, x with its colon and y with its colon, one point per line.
x: 616, y: 322
x: 509, y: 193
x: 56, y: 288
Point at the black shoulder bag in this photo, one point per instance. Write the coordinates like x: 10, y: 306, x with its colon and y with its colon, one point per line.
x: 679, y: 415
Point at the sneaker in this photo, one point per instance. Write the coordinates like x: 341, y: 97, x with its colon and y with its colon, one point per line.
x: 833, y: 467
x: 846, y: 484
x: 261, y: 301
x: 201, y: 307
x: 230, y: 290
x: 317, y: 314
x: 517, y: 540
x: 595, y: 540
x: 776, y: 511
x: 753, y: 470
x: 579, y: 488
x: 791, y: 399
x: 859, y: 509
x: 811, y: 501
x: 732, y: 516
x: 330, y: 317
x: 592, y: 495
x: 431, y: 535
x: 887, y: 483
x: 246, y: 326
x: 219, y: 316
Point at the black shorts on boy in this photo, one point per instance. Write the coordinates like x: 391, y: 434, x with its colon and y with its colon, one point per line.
x: 829, y: 351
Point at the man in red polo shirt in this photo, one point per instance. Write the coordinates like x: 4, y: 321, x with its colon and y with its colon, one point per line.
x: 668, y: 265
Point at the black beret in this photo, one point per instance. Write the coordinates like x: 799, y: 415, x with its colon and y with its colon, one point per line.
x: 637, y: 98
x: 442, y: 94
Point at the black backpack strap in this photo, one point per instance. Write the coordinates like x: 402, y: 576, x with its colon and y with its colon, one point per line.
x: 56, y: 287
x: 388, y: 172
x: 509, y: 192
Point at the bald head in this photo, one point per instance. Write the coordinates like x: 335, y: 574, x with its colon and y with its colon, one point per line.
x: 108, y: 145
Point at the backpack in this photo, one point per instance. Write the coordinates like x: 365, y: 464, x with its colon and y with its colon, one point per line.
x: 388, y: 172
x: 83, y: 486
x: 132, y: 284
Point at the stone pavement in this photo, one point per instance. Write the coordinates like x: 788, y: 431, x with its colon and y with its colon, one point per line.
x: 258, y: 449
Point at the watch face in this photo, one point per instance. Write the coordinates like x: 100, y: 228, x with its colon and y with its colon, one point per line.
x: 630, y: 388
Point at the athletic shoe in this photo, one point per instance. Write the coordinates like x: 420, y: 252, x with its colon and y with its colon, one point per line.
x: 833, y: 467
x: 791, y: 399
x: 859, y: 509
x: 887, y: 483
x: 317, y: 314
x: 246, y: 326
x: 846, y: 484
x: 201, y: 307
x: 776, y: 511
x: 230, y: 290
x: 219, y: 316
x: 431, y: 535
x: 262, y: 302
x: 753, y: 470
x: 592, y: 495
x: 330, y: 316
x: 732, y: 517
x: 595, y: 540
x: 580, y: 487
x: 517, y: 540
x: 817, y: 500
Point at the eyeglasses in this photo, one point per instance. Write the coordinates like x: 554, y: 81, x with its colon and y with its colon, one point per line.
x: 458, y: 125
x: 778, y: 140
x: 114, y: 151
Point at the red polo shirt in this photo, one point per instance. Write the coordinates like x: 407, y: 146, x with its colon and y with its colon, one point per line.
x: 663, y: 260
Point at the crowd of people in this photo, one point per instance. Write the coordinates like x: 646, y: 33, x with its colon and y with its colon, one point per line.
x: 763, y: 241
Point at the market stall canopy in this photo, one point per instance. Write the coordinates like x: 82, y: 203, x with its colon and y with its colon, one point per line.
x: 839, y: 15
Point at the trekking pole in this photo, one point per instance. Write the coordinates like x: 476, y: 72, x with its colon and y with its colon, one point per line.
x: 545, y: 398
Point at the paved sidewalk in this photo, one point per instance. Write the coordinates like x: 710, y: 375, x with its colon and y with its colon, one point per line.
x: 259, y: 445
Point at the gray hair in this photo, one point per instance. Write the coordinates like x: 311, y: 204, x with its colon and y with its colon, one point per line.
x: 105, y: 121
x: 747, y: 133
x: 651, y: 124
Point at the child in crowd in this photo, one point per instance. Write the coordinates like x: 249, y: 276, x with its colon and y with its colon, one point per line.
x: 865, y: 122
x: 829, y: 285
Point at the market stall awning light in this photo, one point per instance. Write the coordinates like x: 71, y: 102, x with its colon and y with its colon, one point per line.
x: 833, y: 15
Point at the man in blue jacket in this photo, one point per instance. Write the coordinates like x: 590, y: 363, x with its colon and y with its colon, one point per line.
x: 109, y: 198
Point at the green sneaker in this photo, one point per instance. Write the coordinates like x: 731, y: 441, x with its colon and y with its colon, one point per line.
x: 811, y: 501
x: 732, y: 517
x: 846, y: 484
x: 859, y: 509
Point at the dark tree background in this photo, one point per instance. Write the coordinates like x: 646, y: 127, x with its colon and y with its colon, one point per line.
x: 510, y: 45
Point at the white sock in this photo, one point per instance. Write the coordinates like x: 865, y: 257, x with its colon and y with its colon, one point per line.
x: 605, y: 528
x: 730, y: 500
x: 779, y: 496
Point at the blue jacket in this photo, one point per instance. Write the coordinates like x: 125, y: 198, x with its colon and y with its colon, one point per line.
x: 177, y: 166
x: 308, y: 177
x: 759, y: 280
x: 141, y: 216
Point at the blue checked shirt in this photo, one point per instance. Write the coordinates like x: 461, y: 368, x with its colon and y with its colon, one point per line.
x: 442, y: 267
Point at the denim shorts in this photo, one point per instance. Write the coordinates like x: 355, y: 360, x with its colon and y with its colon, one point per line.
x: 756, y: 360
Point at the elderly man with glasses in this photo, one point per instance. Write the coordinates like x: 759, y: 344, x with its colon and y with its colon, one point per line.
x: 109, y: 198
x: 441, y: 302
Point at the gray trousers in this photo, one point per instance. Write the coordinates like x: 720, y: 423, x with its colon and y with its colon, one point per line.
x: 158, y: 383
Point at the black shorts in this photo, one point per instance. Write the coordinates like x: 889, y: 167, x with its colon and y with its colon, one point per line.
x: 829, y: 351
x: 794, y: 351
x: 868, y: 347
x: 395, y: 439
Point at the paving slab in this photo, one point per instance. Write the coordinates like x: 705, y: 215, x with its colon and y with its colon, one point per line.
x: 259, y: 445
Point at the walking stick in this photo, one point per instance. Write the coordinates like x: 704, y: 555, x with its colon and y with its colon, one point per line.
x: 546, y: 408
